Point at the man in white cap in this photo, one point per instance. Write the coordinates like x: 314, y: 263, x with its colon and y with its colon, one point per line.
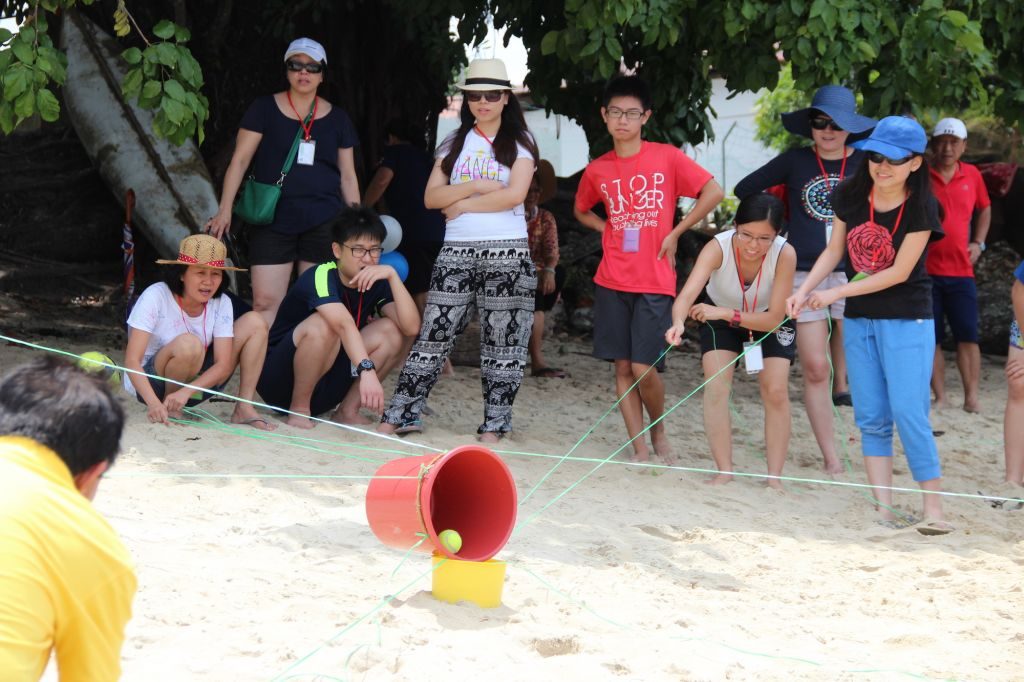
x: 961, y: 191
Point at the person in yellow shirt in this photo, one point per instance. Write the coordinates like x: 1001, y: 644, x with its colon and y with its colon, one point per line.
x: 66, y: 579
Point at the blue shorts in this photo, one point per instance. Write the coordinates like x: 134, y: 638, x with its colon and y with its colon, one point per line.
x: 889, y: 363
x: 160, y: 386
x: 278, y: 378
x: 955, y: 299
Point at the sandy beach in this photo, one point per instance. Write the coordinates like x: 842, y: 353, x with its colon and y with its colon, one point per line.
x: 261, y: 566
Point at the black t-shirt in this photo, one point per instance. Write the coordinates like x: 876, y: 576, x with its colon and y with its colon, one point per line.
x: 871, y: 248
x: 320, y: 285
x: 404, y: 194
x: 311, y: 194
x: 808, y: 193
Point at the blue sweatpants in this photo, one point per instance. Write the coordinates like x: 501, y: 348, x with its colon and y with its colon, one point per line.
x: 889, y: 363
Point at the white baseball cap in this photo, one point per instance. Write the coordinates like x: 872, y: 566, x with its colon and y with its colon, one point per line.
x: 950, y: 126
x: 306, y: 46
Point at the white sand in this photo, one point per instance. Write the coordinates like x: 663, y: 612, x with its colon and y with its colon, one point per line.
x: 633, y: 574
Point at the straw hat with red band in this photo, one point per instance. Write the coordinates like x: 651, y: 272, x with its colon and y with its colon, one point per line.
x: 204, y: 251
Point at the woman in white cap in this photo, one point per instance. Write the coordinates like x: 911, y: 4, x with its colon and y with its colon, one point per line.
x: 809, y: 175
x: 885, y: 216
x: 183, y: 329
x: 321, y: 180
x: 480, y: 180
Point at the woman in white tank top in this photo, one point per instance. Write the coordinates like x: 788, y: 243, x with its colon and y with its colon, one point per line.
x: 748, y: 273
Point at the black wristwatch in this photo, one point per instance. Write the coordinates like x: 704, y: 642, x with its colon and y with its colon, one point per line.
x: 365, y: 365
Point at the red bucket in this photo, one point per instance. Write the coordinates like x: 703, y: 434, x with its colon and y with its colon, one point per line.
x: 469, y: 490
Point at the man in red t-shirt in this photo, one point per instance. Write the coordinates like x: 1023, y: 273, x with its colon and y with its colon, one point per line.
x: 639, y: 184
x: 961, y: 191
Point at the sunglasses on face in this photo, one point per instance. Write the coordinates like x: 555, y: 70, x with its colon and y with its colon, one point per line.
x: 491, y: 96
x: 875, y: 157
x: 308, y: 67
x: 820, y: 123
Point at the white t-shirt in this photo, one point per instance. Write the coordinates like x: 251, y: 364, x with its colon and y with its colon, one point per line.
x: 158, y: 313
x: 724, y: 285
x: 476, y: 161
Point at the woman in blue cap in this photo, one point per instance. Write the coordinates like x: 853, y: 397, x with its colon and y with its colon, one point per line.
x: 885, y: 216
x: 810, y: 174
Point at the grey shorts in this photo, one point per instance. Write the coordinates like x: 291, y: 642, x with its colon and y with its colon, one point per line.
x: 630, y: 326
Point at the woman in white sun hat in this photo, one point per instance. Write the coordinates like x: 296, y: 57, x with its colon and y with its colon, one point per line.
x: 480, y: 180
x: 183, y: 329
x: 321, y: 180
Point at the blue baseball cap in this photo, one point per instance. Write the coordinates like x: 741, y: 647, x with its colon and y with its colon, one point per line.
x: 896, y: 137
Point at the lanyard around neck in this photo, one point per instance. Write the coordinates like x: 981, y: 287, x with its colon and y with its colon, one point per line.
x: 359, y: 309
x: 842, y: 169
x: 306, y: 129
x: 871, y: 213
x: 188, y: 329
x: 483, y: 135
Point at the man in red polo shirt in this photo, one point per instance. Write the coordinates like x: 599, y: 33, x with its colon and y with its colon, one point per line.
x: 961, y: 191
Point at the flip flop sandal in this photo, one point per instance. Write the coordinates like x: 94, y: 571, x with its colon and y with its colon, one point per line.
x: 842, y: 399
x: 935, y: 527
x: 411, y: 427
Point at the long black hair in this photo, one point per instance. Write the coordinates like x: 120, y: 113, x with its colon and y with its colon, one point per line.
x: 512, y: 133
x: 856, y: 190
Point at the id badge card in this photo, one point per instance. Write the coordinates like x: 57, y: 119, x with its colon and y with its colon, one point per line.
x: 753, y: 359
x: 307, y: 150
x: 631, y: 238
x: 828, y: 231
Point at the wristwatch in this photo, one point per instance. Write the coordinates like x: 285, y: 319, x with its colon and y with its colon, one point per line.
x: 735, y: 321
x: 980, y: 245
x: 365, y: 365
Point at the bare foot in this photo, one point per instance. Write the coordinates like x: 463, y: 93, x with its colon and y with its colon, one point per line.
x: 719, y: 479
x: 299, y: 421
x: 662, y: 447
x: 833, y: 467
x: 640, y: 456
x: 940, y: 404
x: 972, y: 406
x: 248, y: 416
x: 774, y: 484
x: 355, y: 419
x: 489, y: 437
x: 386, y: 429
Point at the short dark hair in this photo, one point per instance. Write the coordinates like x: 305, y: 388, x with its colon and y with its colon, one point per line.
x: 172, y: 274
x: 627, y: 86
x: 758, y: 207
x: 63, y: 407
x: 356, y: 221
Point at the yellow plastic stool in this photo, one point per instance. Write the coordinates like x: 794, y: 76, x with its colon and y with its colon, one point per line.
x: 479, y: 582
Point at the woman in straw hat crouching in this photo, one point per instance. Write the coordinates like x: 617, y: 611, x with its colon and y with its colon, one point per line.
x: 183, y: 329
x: 480, y: 179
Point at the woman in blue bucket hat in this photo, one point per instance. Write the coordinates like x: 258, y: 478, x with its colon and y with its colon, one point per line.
x: 885, y: 216
x: 809, y: 176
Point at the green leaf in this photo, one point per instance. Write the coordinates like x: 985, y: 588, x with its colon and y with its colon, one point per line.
x: 5, y: 60
x: 5, y: 35
x: 549, y: 43
x: 132, y: 55
x: 174, y: 90
x: 166, y: 54
x: 957, y: 18
x: 866, y: 50
x: 16, y: 80
x: 182, y: 34
x: 132, y: 83
x: 592, y: 47
x: 27, y: 34
x: 164, y: 29
x: 23, y: 50
x: 49, y: 108
x: 151, y: 89
x: 175, y: 111
x: 6, y: 117
x: 25, y: 105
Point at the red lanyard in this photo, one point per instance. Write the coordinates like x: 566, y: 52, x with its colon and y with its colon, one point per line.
x: 312, y: 116
x: 629, y: 185
x: 743, y: 289
x: 871, y: 213
x: 481, y: 134
x: 188, y: 330
x: 842, y: 169
x: 359, y: 310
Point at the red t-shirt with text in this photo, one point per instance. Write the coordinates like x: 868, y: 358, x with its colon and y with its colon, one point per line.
x: 641, y: 190
x: 960, y: 198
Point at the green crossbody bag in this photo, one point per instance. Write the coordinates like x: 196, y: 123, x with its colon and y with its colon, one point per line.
x: 257, y: 202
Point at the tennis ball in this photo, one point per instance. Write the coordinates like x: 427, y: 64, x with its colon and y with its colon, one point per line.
x: 450, y: 540
x: 93, y: 362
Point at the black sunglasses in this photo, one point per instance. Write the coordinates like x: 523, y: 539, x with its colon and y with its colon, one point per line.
x: 820, y: 123
x: 308, y: 67
x: 875, y: 157
x: 489, y: 95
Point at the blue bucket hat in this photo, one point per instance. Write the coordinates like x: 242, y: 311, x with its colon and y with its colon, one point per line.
x: 835, y: 101
x: 896, y: 137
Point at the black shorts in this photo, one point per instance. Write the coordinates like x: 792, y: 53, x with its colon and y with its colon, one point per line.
x: 955, y: 299
x: 278, y: 379
x: 421, y: 257
x: 267, y: 247
x: 160, y: 386
x: 546, y: 302
x: 718, y: 335
x: 630, y: 326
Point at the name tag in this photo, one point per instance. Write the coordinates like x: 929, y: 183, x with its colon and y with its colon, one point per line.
x: 753, y: 359
x: 631, y: 238
x: 307, y: 150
